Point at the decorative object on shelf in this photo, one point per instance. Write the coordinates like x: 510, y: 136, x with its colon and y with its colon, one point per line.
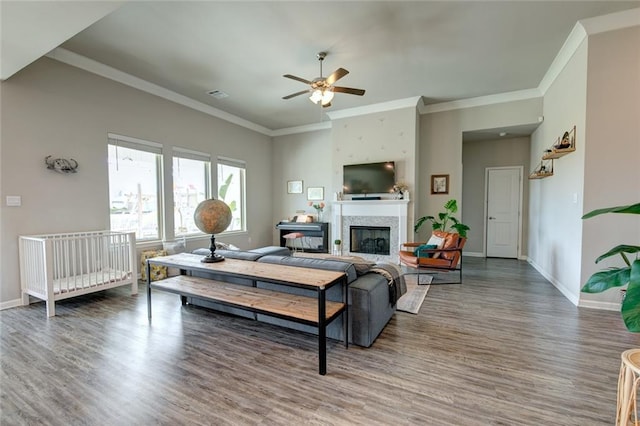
x: 439, y: 184
x: 212, y: 217
x: 61, y: 165
x: 543, y: 170
x: 294, y: 187
x: 316, y: 193
x: 628, y: 274
x: 563, y: 146
x: 319, y: 208
x: 399, y: 190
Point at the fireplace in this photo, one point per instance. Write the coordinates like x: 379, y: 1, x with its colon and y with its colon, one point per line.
x: 390, y: 215
x: 369, y: 239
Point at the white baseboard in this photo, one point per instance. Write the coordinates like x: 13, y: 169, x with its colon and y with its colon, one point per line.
x: 10, y: 304
x: 561, y: 288
x: 472, y: 254
x: 595, y: 304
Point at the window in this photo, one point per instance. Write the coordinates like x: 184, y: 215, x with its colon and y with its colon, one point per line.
x: 191, y: 177
x: 231, y: 190
x: 135, y: 187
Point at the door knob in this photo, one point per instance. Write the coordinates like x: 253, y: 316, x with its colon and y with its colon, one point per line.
x: 491, y: 218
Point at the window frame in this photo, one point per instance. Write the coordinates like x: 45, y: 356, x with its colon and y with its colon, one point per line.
x: 188, y: 154
x: 240, y: 164
x: 148, y: 147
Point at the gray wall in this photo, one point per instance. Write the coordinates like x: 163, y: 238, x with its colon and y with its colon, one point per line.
x: 476, y: 157
x: 440, y: 150
x: 50, y: 108
x: 612, y: 156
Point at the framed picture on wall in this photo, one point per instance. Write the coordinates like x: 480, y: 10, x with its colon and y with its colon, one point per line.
x: 294, y: 187
x: 439, y: 184
x: 314, y: 194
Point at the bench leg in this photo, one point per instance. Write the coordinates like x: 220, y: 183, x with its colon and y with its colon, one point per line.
x: 322, y: 333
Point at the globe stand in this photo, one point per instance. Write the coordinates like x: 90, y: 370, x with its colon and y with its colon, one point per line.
x: 213, y: 257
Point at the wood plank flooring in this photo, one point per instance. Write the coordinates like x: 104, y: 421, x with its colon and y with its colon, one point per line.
x: 504, y: 348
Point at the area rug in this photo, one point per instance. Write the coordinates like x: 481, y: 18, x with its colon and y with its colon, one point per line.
x: 413, y: 298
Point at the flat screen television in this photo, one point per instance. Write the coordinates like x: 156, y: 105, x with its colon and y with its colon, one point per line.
x: 371, y: 178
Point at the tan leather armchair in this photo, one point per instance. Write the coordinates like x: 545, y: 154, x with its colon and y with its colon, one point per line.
x: 445, y: 259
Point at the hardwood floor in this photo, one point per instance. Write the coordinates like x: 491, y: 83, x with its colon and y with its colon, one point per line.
x: 504, y: 348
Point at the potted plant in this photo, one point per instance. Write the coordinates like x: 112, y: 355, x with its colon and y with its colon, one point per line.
x: 629, y: 274
x: 336, y: 247
x: 445, y: 221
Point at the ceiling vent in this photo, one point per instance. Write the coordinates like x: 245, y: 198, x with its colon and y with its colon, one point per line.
x: 218, y: 94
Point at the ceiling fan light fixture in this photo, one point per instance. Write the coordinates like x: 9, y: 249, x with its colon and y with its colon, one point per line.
x: 316, y: 96
x: 327, y: 96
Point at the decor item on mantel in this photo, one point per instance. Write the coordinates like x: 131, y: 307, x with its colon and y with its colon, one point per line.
x: 401, y: 191
x: 445, y: 221
x: 628, y: 275
x: 212, y: 217
x: 319, y: 208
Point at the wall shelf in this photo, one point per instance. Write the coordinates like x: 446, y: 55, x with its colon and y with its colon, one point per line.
x: 566, y: 144
x: 535, y: 175
x: 557, y: 153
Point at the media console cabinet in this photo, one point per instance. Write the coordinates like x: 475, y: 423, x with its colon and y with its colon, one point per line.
x: 314, y: 311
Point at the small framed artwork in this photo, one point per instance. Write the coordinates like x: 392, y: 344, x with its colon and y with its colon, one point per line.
x: 316, y: 193
x: 439, y: 184
x: 294, y: 187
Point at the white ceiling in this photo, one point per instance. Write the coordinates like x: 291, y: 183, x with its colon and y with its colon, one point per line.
x: 395, y: 50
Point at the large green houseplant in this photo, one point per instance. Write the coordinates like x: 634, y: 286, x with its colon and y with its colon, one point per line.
x: 618, y: 277
x: 445, y: 221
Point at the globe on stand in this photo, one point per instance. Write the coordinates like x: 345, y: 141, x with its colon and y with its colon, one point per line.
x: 212, y: 217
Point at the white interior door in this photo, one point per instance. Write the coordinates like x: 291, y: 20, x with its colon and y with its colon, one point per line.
x: 503, y: 211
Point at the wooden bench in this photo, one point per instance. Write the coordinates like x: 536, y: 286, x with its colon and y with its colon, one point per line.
x: 283, y: 305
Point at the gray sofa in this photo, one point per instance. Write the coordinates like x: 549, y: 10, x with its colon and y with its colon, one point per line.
x: 369, y: 302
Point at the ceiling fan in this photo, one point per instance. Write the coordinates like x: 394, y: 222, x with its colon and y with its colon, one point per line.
x: 322, y: 89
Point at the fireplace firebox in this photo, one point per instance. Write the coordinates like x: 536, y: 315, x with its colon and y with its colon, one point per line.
x: 370, y: 239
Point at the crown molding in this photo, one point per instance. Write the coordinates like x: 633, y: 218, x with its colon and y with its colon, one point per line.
x: 373, y: 108
x: 302, y: 129
x: 566, y: 52
x: 613, y: 21
x: 498, y: 98
x: 82, y: 62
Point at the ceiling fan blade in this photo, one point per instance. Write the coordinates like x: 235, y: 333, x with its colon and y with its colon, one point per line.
x: 300, y: 79
x: 293, y: 95
x: 348, y: 90
x: 337, y: 75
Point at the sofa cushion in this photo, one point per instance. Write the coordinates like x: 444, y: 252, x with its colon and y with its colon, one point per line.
x: 272, y: 250
x: 307, y: 262
x: 231, y: 254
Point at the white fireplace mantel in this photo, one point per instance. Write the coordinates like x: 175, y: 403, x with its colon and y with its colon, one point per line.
x: 360, y: 210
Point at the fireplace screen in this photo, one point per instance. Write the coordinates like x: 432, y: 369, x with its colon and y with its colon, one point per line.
x: 370, y: 239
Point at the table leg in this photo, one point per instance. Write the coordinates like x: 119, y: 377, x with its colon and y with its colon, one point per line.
x: 345, y: 315
x: 148, y: 267
x: 322, y: 332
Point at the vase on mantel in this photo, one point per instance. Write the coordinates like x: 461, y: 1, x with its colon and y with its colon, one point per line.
x: 319, y: 215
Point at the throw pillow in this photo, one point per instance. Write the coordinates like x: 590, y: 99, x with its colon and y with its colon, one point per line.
x: 174, y: 247
x: 419, y: 251
x: 438, y: 242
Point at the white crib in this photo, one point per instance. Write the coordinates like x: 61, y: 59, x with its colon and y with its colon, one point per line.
x: 58, y: 266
